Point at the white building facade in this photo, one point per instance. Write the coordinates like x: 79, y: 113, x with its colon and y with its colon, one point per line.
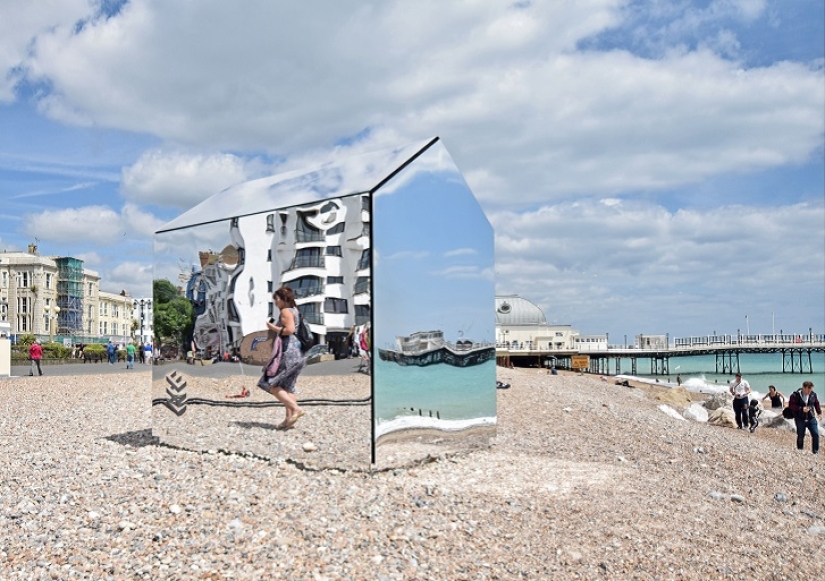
x: 114, y: 318
x: 48, y: 297
x: 522, y: 326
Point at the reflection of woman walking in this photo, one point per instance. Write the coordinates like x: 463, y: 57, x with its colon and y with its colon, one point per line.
x: 281, y: 372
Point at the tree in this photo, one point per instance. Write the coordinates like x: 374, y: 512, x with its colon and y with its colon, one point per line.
x: 163, y: 291
x: 174, y: 318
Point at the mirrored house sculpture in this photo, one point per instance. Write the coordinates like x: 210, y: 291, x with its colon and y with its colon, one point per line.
x: 391, y: 260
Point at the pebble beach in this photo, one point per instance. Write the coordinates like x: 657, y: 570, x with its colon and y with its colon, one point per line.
x: 583, y: 479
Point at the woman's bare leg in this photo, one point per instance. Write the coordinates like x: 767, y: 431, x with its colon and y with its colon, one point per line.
x: 288, y: 400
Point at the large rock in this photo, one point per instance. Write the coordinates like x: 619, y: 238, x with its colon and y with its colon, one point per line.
x: 671, y: 412
x: 722, y: 417
x: 673, y: 396
x: 696, y: 412
x: 719, y: 400
x: 769, y: 419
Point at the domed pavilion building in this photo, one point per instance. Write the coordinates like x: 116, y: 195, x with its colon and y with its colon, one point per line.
x: 522, y: 331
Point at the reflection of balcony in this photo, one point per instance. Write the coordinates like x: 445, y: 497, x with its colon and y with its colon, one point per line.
x: 309, y: 236
x: 310, y: 291
x: 362, y: 286
x: 314, y: 318
x: 306, y: 262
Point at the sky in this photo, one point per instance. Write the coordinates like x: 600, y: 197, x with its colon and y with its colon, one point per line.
x: 649, y: 167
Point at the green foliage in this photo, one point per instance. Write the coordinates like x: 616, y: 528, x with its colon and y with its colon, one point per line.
x: 163, y: 291
x: 174, y: 320
x: 95, y: 348
x: 26, y: 340
x: 56, y: 351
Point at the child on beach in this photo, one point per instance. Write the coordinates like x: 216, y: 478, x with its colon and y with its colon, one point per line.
x: 754, y: 411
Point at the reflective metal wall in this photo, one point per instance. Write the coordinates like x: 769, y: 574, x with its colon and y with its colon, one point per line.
x: 227, y: 271
x: 434, y: 319
x: 391, y: 260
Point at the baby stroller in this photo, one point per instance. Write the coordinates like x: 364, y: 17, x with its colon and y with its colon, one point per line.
x: 754, y: 411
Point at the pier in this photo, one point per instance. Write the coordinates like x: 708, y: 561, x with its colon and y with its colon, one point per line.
x: 796, y: 353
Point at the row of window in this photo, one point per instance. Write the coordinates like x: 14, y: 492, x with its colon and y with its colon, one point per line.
x: 25, y: 279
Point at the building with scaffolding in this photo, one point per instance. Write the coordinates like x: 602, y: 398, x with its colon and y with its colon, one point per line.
x: 69, y: 295
x: 52, y: 298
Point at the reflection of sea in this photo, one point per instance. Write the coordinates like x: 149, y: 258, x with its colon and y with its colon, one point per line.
x: 456, y: 397
x: 759, y: 369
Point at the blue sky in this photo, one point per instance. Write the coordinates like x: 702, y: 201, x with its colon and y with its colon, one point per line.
x: 648, y: 167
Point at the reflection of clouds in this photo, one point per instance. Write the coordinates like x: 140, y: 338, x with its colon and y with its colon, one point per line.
x: 408, y: 255
x: 460, y: 252
x: 437, y: 160
x: 464, y: 272
x: 177, y: 250
x: 340, y: 178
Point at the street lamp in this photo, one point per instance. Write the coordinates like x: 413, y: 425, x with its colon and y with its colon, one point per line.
x: 51, y: 313
x: 145, y: 305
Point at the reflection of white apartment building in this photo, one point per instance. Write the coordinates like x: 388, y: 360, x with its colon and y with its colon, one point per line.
x: 320, y: 250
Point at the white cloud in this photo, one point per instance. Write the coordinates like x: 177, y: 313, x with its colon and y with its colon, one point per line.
x: 485, y: 77
x: 464, y: 272
x: 460, y: 252
x: 178, y: 179
x: 617, y: 266
x: 92, y: 224
x: 21, y: 20
x: 407, y: 255
x: 134, y: 277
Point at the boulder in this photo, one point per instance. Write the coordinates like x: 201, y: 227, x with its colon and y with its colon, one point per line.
x: 719, y: 400
x: 696, y: 412
x: 671, y: 412
x: 675, y: 396
x: 722, y: 417
x: 771, y: 420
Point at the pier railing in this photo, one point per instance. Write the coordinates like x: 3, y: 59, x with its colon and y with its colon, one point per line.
x: 796, y: 353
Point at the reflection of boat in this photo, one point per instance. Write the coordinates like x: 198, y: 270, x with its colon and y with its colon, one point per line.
x: 429, y: 347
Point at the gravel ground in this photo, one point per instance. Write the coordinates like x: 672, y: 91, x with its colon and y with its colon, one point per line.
x: 584, y: 480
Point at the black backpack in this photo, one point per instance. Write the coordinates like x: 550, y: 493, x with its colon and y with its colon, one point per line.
x: 304, y: 334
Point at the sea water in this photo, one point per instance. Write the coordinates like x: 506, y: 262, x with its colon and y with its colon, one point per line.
x: 698, y: 373
x: 434, y: 396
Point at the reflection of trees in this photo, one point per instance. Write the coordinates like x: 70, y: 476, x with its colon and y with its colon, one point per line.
x: 173, y: 316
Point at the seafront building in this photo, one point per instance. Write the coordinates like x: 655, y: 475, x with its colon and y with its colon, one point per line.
x: 56, y: 298
x: 522, y: 325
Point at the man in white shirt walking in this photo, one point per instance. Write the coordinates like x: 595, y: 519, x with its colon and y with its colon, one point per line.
x: 740, y: 390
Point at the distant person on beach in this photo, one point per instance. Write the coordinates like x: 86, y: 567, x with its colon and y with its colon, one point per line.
x: 111, y: 351
x: 803, y: 404
x: 130, y: 355
x: 740, y: 390
x: 777, y: 399
x: 35, y: 354
x: 286, y: 362
x: 678, y: 380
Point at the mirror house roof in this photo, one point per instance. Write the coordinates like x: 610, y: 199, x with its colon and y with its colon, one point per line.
x: 357, y: 174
